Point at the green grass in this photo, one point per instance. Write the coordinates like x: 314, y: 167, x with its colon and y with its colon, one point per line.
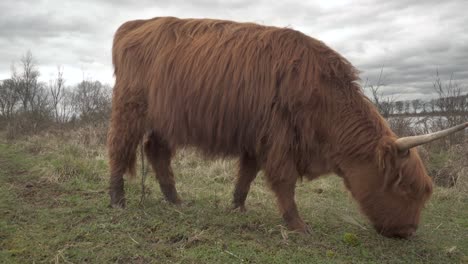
x: 54, y: 208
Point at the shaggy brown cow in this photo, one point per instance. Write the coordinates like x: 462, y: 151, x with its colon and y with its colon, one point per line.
x: 278, y: 99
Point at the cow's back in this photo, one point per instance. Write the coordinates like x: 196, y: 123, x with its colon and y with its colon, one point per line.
x: 221, y: 86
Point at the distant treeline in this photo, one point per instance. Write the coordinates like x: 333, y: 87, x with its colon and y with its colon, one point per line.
x: 451, y: 99
x: 34, y: 104
x: 439, y: 106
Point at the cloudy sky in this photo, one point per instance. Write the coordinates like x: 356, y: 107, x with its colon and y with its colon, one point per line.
x: 409, y: 41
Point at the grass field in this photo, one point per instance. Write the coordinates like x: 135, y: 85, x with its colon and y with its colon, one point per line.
x: 54, y: 208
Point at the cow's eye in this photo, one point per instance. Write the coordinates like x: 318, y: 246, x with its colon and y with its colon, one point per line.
x: 404, y: 153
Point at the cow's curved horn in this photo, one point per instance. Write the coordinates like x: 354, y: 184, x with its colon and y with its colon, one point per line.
x: 406, y: 143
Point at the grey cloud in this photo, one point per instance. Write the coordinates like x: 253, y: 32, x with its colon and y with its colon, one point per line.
x: 411, y: 53
x: 42, y: 25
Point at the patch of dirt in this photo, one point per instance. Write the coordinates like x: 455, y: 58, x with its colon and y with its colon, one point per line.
x: 38, y: 193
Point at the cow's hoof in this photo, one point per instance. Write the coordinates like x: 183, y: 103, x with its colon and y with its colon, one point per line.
x: 174, y: 200
x: 304, y: 230
x: 170, y: 193
x: 117, y: 200
x: 307, y: 230
x: 299, y: 226
x: 118, y: 205
x: 239, y: 207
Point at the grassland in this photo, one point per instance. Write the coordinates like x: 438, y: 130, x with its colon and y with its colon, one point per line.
x: 54, y: 208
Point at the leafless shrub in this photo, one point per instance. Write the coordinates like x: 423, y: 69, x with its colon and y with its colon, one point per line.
x: 92, y: 134
x: 402, y: 126
x: 452, y: 105
x: 8, y: 99
x: 27, y: 123
x: 385, y: 105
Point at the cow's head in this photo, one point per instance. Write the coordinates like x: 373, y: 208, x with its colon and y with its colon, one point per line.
x: 393, y: 186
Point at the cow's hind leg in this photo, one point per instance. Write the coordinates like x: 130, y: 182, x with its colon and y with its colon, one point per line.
x: 248, y: 169
x: 125, y: 132
x: 159, y: 155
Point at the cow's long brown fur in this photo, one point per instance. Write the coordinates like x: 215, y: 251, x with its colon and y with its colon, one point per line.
x: 284, y: 101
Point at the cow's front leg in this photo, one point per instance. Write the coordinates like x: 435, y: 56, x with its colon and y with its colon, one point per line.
x: 284, y: 188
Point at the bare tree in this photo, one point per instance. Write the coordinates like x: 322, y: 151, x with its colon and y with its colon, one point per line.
x: 65, y: 108
x: 416, y: 105
x: 399, y: 107
x: 40, y: 105
x: 28, y: 82
x: 407, y: 106
x: 424, y: 107
x: 57, y: 87
x: 432, y: 105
